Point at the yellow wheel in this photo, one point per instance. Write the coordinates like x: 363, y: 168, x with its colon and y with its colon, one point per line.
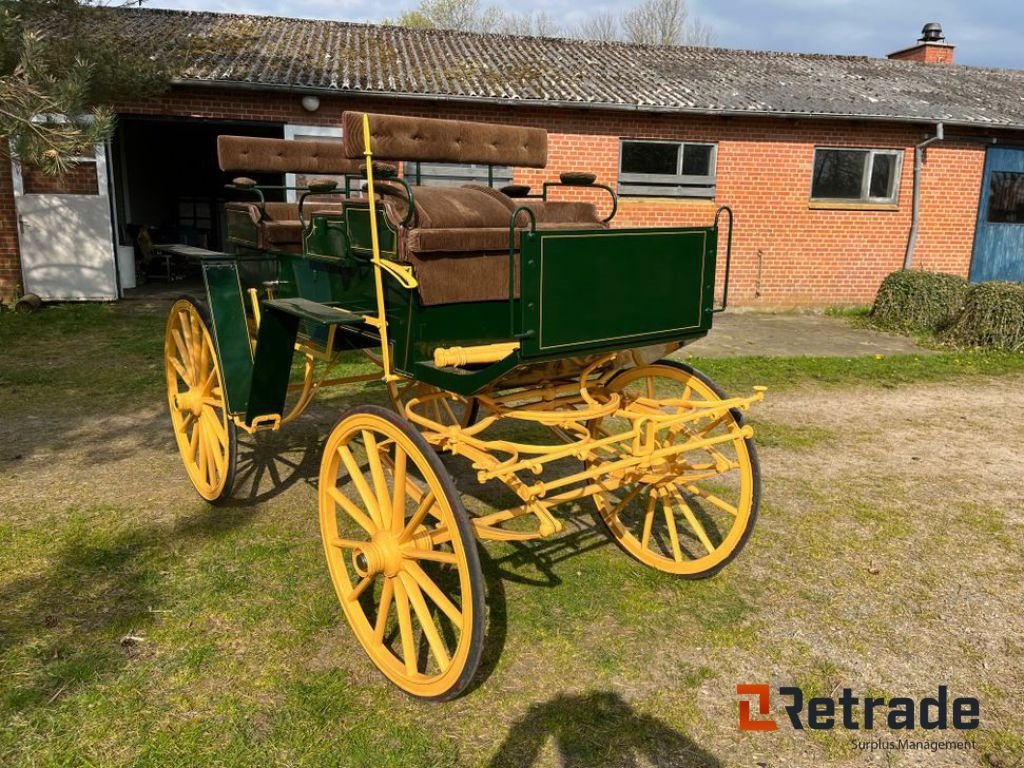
x: 401, y: 553
x: 195, y: 394
x: 690, y: 514
x: 447, y: 411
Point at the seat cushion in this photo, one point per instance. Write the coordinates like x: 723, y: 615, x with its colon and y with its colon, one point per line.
x: 448, y: 207
x: 447, y: 278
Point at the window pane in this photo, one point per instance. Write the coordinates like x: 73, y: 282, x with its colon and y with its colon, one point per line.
x: 1006, y: 198
x: 838, y: 174
x: 883, y: 176
x: 697, y: 160
x: 639, y: 157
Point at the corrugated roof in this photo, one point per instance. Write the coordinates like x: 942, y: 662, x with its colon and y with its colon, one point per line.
x: 302, y: 54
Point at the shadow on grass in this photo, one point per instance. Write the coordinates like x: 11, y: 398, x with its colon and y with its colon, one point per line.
x: 72, y: 625
x: 597, y: 728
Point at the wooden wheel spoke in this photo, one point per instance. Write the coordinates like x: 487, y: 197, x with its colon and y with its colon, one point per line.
x: 380, y: 485
x: 215, y: 445
x: 405, y: 627
x: 711, y: 498
x: 398, y: 502
x: 179, y: 368
x: 417, y: 518
x: 434, y: 555
x: 694, y: 523
x: 369, y: 501
x: 193, y: 442
x: 434, y: 592
x: 652, y: 508
x: 352, y: 510
x: 673, y: 533
x: 419, y: 605
x: 343, y: 543
x: 386, y: 596
x: 359, y: 588
x: 185, y: 358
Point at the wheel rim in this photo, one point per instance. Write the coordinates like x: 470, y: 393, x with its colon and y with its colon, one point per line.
x: 396, y: 557
x: 195, y: 396
x: 697, y: 519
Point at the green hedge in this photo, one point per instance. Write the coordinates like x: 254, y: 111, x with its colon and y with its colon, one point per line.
x: 911, y: 301
x: 993, y: 317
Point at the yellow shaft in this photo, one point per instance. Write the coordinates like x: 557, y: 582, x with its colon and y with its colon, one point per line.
x: 382, y: 326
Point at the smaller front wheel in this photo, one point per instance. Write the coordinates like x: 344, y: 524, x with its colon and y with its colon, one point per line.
x: 401, y: 553
x: 691, y: 514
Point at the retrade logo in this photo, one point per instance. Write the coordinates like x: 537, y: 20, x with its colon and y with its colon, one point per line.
x: 747, y: 723
x: 823, y: 713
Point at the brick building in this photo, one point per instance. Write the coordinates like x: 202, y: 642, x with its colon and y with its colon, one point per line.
x: 815, y: 154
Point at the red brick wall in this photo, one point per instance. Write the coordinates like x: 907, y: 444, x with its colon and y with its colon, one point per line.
x: 785, y: 251
x: 10, y: 265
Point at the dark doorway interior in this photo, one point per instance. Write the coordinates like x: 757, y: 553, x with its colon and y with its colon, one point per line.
x: 167, y: 182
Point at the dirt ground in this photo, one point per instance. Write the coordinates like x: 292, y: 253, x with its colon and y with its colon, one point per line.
x: 889, y: 558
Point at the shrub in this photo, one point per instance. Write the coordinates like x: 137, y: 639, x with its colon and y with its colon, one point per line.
x: 993, y: 317
x: 919, y: 301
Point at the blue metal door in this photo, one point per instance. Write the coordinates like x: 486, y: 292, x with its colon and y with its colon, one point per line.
x: 999, y: 237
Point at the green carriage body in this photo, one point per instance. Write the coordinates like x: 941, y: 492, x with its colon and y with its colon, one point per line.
x: 583, y: 292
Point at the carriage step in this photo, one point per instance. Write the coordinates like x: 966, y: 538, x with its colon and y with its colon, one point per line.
x: 312, y: 310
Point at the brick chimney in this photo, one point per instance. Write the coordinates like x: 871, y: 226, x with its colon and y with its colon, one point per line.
x: 932, y: 48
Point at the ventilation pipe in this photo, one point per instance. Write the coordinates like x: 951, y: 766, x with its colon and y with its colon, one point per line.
x: 915, y: 216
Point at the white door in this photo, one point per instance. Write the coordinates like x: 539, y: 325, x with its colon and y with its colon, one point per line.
x: 306, y: 132
x: 64, y: 231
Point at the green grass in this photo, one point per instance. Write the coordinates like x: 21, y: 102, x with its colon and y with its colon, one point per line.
x: 591, y: 659
x: 737, y: 374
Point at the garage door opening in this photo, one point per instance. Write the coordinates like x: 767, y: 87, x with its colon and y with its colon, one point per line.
x: 168, y: 187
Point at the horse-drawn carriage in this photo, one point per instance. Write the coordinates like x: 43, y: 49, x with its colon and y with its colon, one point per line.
x: 517, y: 331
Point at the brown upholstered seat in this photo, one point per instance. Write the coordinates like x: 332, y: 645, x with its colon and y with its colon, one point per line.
x: 459, y: 237
x: 277, y: 225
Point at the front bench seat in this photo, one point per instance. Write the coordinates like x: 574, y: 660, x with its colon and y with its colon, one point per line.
x: 457, y: 241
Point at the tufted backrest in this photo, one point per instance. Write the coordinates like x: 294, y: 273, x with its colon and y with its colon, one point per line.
x: 394, y: 137
x: 449, y: 207
x: 255, y: 155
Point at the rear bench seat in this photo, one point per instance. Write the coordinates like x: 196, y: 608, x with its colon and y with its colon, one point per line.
x: 458, y: 239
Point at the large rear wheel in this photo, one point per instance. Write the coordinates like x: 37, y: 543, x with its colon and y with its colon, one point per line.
x: 204, y: 431
x: 691, y: 514
x: 401, y: 553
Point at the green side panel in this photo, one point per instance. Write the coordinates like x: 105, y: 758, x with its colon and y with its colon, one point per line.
x: 230, y: 331
x: 275, y: 346
x: 612, y: 289
x: 357, y: 220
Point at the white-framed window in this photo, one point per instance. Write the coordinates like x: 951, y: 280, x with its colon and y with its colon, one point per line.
x: 456, y: 174
x: 845, y: 174
x: 667, y: 168
x: 306, y: 132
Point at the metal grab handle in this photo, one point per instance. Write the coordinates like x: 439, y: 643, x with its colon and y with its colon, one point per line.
x: 728, y: 256
x: 615, y: 198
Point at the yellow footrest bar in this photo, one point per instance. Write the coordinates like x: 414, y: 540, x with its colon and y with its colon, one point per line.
x: 446, y: 357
